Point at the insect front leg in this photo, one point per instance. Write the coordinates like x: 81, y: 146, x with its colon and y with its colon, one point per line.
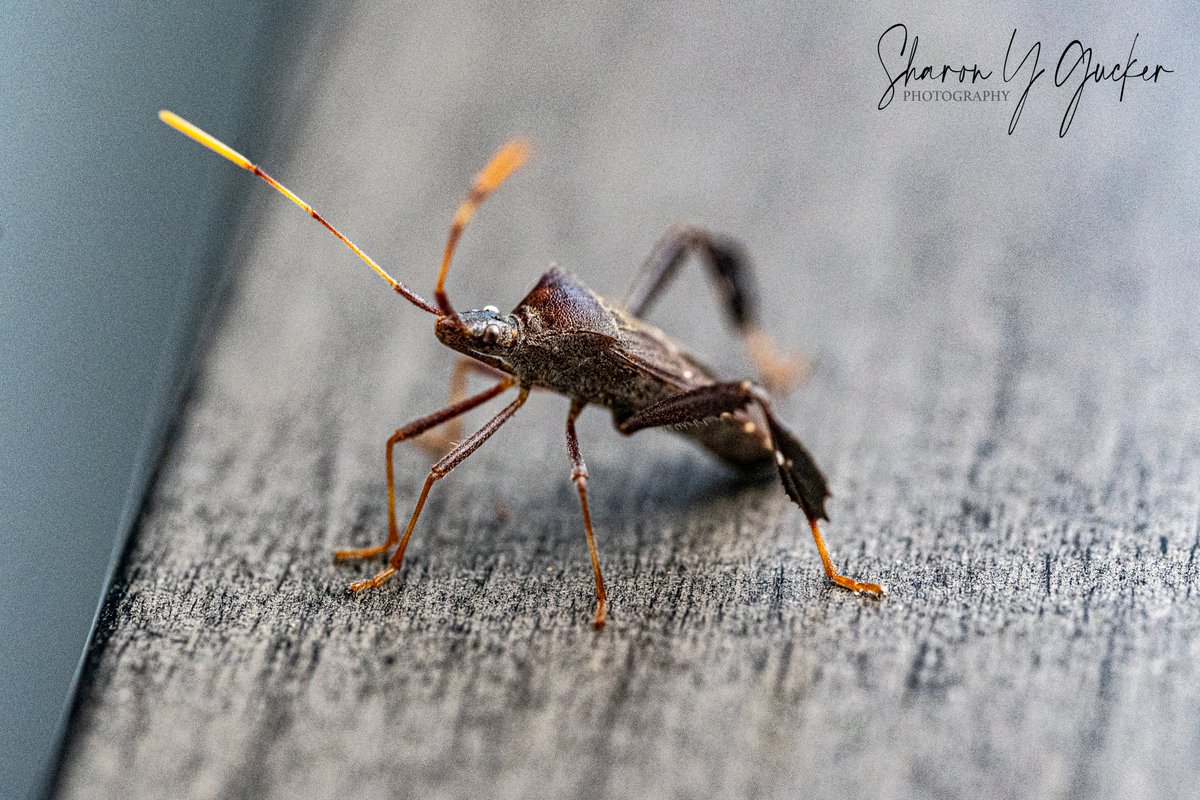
x: 802, y: 478
x: 416, y: 428
x: 579, y: 475
x: 440, y: 470
x: 727, y: 265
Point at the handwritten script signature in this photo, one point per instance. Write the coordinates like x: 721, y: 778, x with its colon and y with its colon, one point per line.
x: 1077, y: 64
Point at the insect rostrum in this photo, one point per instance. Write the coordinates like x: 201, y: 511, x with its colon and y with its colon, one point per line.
x: 565, y: 338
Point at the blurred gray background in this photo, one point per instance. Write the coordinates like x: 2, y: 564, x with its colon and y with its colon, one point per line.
x: 108, y: 261
x: 1004, y: 396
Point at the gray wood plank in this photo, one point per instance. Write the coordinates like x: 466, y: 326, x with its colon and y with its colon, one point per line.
x: 1007, y: 357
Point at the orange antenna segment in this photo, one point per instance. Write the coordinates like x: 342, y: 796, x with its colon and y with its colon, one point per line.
x: 220, y: 148
x: 506, y: 160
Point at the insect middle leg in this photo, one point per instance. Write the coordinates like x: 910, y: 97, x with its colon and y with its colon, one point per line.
x: 440, y: 470
x: 727, y: 265
x: 802, y: 478
x: 415, y: 428
x: 579, y: 475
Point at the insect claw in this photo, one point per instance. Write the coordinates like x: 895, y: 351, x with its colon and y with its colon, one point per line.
x: 781, y: 373
x: 785, y: 375
x: 858, y: 587
x: 601, y: 616
x: 371, y: 583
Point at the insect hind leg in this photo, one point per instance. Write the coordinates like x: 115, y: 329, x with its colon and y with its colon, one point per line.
x: 727, y: 265
x: 801, y: 477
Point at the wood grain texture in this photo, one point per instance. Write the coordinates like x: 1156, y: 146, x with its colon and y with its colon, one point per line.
x: 1007, y: 358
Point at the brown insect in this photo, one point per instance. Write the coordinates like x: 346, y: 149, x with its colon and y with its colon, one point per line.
x: 565, y: 338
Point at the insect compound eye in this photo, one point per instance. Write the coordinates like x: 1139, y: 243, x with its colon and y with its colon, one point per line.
x: 491, y: 333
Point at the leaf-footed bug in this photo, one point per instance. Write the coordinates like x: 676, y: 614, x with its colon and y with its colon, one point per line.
x: 565, y: 338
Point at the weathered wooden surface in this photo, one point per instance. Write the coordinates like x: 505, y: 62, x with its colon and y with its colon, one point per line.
x: 1005, y: 398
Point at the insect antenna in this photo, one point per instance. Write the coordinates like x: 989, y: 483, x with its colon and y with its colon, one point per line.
x: 217, y: 146
x: 507, y: 159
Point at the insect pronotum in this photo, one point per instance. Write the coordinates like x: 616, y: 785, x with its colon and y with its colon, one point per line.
x: 565, y: 338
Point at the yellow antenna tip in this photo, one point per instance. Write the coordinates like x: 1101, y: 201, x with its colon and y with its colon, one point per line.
x: 203, y: 137
x: 512, y: 155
